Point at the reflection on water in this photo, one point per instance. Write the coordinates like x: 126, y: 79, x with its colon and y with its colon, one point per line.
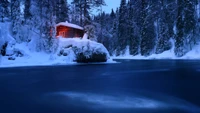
x: 122, y: 102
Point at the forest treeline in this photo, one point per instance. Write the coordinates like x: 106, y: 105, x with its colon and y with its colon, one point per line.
x: 151, y: 27
x: 143, y: 26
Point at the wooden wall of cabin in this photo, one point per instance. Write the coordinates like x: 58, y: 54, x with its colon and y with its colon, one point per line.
x: 67, y: 32
x: 78, y: 33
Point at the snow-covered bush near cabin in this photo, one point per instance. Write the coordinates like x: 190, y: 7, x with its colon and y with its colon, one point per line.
x: 90, y: 31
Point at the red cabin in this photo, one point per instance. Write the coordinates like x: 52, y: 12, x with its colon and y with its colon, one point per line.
x: 68, y: 30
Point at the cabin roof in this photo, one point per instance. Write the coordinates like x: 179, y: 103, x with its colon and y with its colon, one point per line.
x: 69, y: 25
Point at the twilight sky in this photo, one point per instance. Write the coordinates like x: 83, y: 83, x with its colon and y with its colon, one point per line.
x: 109, y: 5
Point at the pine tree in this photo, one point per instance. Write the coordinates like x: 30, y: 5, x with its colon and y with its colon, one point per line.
x: 122, y: 28
x: 133, y: 31
x: 179, y: 50
x: 4, y: 11
x: 190, y: 21
x: 74, y: 15
x: 45, y: 13
x: 186, y: 27
x: 84, y: 7
x: 79, y: 9
x: 112, y: 14
x: 163, y: 28
x: 147, y: 30
x: 114, y: 34
x: 16, y: 20
x: 27, y: 13
x: 49, y: 25
x: 61, y: 11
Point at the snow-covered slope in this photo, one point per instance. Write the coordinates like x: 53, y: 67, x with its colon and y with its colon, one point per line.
x: 194, y: 54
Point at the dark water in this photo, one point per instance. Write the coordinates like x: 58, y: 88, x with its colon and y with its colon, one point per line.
x: 166, y: 86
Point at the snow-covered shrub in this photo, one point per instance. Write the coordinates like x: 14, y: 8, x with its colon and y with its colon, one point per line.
x: 11, y: 50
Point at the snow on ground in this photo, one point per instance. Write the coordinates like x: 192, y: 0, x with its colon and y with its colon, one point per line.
x: 165, y: 55
x: 192, y: 55
x: 32, y: 58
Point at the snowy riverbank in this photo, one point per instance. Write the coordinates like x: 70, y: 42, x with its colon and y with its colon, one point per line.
x: 194, y: 54
x: 68, y: 56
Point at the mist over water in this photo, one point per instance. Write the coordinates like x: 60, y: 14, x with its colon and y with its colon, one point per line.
x: 121, y: 102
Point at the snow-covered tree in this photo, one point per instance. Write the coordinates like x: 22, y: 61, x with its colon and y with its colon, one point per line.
x: 185, y: 27
x: 4, y: 10
x: 122, y: 28
x: 190, y: 23
x: 90, y: 30
x: 45, y: 28
x: 179, y: 50
x: 133, y: 37
x: 84, y: 8
x: 147, y: 29
x: 74, y: 16
x: 165, y: 25
x: 27, y: 13
x: 62, y: 11
x: 16, y: 20
x: 114, y: 32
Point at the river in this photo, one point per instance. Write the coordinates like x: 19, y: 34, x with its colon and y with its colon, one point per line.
x: 129, y: 86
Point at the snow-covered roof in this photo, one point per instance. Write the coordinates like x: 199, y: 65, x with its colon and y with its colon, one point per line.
x: 70, y: 25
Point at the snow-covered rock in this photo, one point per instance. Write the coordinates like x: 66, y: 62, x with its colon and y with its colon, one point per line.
x: 83, y: 50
